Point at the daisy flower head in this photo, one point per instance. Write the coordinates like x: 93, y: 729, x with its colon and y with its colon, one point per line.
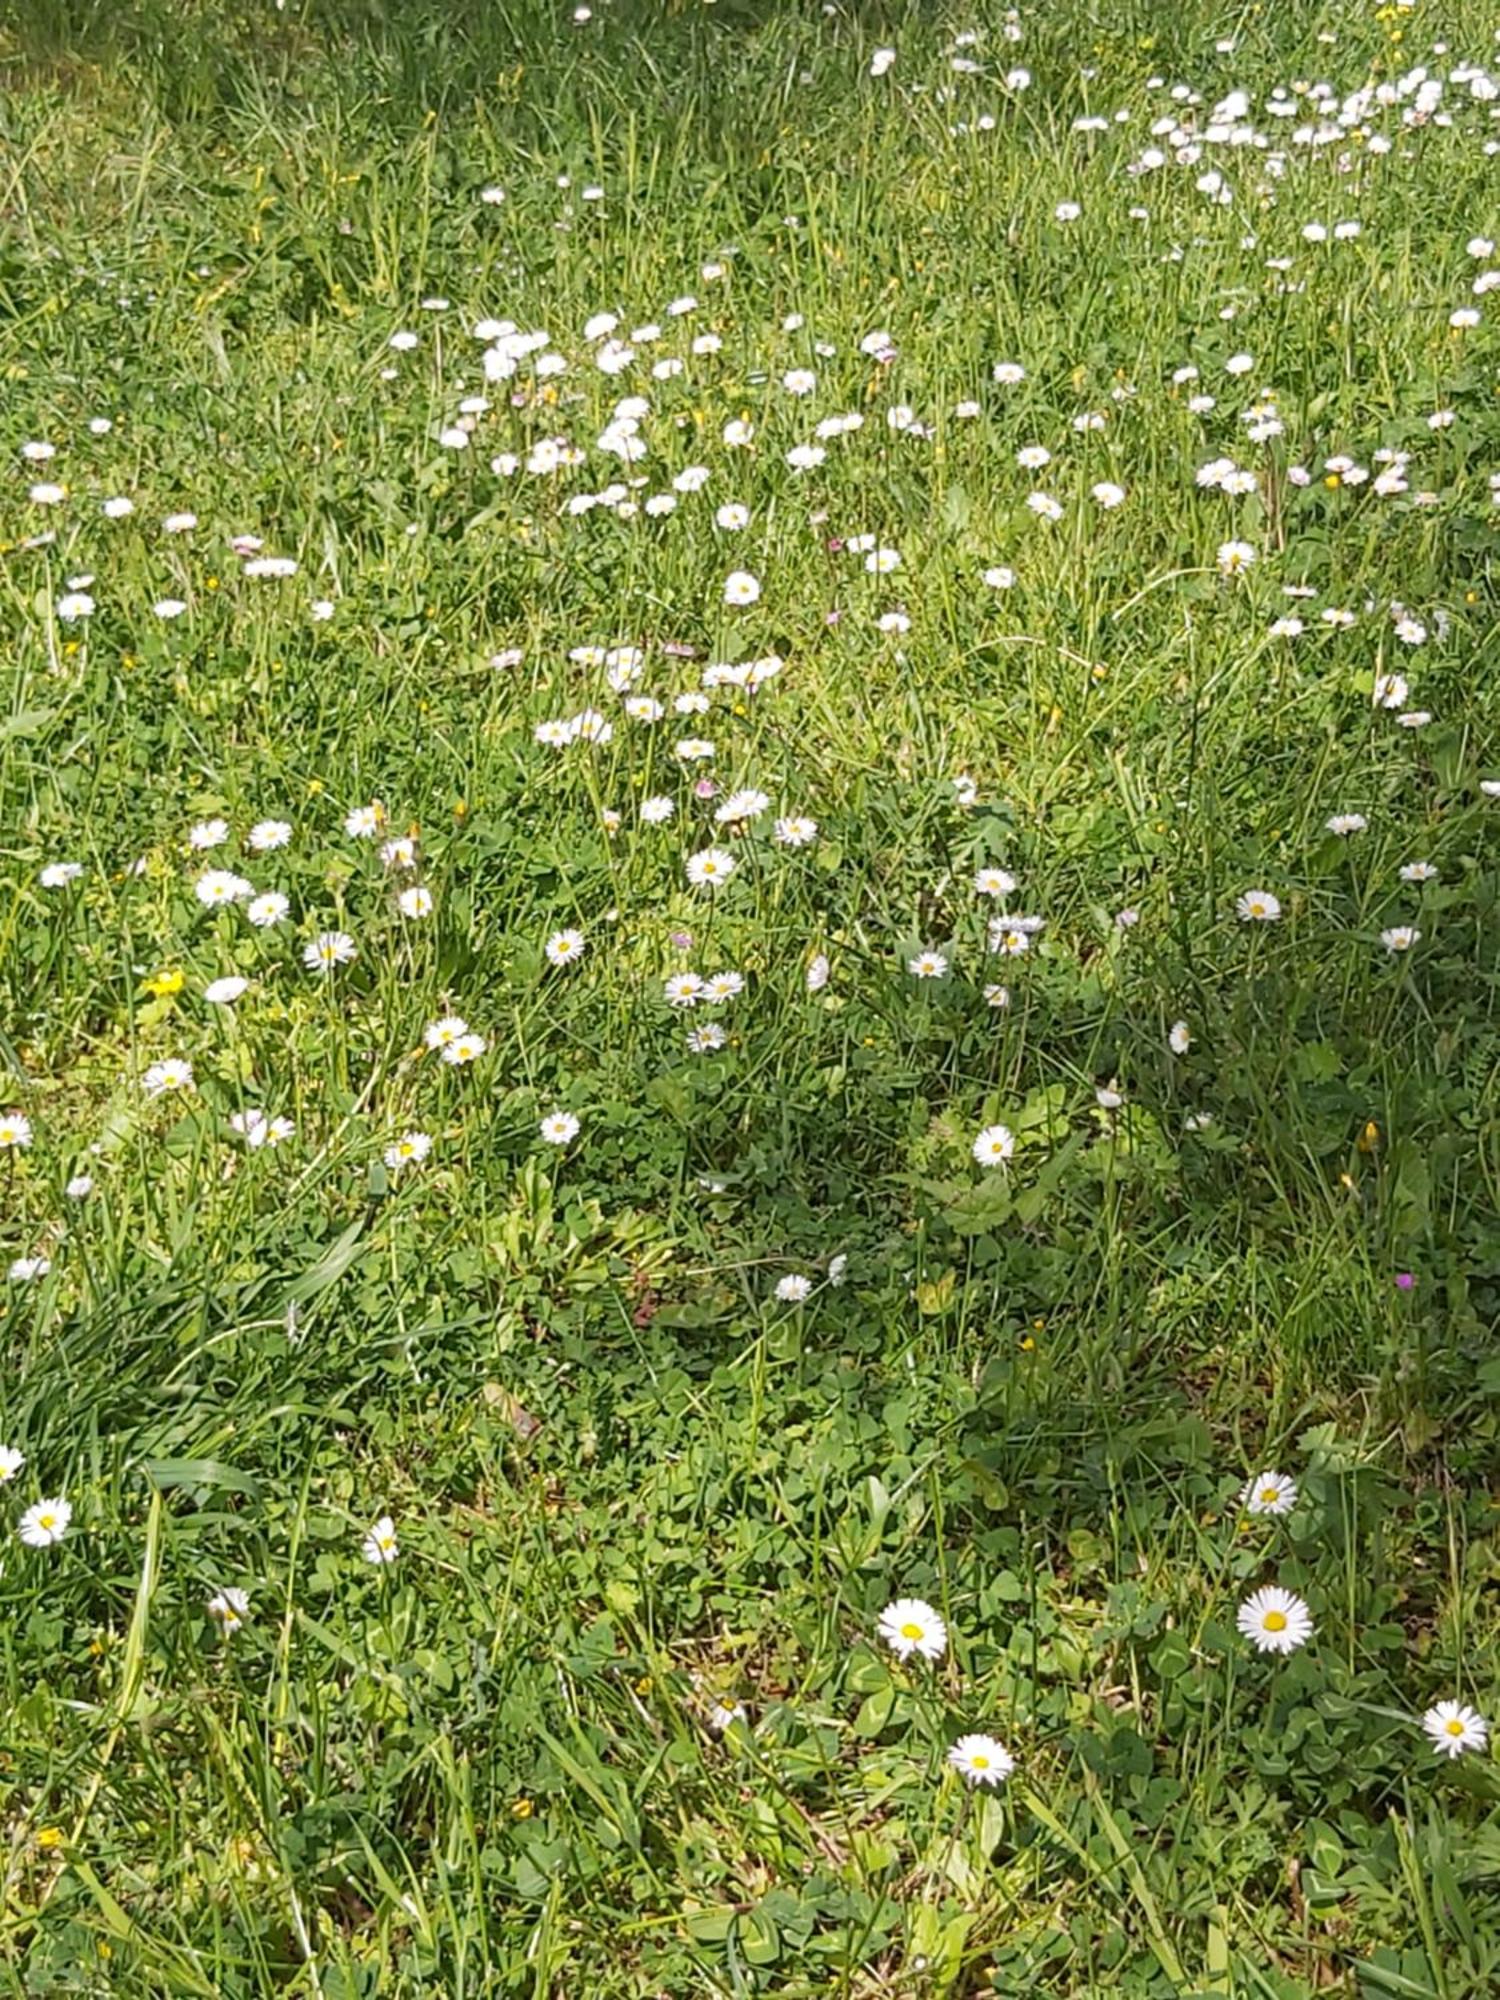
x: 380, y: 1545
x: 218, y: 887
x: 229, y: 1609
x: 364, y: 822
x: 44, y: 1525
x: 982, y: 1760
x: 1234, y: 558
x: 793, y: 1288
x: 710, y: 868
x: 559, y: 1127
x: 565, y: 948
x: 265, y: 912
x: 1400, y: 937
x: 1269, y: 1493
x: 1343, y: 824
x: 1258, y: 906
x: 267, y: 835
x: 328, y: 950
x: 464, y: 1049
x: 415, y: 901
x: 682, y: 989
x: 1275, y: 1621
x: 258, y: 1130
x: 994, y: 1146
x: 910, y: 1626
x: 741, y: 588
x: 994, y: 882
x: 720, y: 986
x: 1180, y: 1038
x: 741, y: 807
x: 703, y: 1041
x: 15, y: 1131
x: 1390, y: 691
x: 11, y: 1462
x: 1453, y: 1728
x: 440, y: 1034
x: 167, y: 1077
x: 410, y: 1150
x: 224, y: 992
x: 927, y: 965
x: 795, y: 830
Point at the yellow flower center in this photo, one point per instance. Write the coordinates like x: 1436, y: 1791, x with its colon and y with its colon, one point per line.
x: 1268, y: 1495
x: 911, y: 1631
x: 981, y: 1762
x: 1275, y: 1621
x: 46, y: 1520
x: 1454, y: 1727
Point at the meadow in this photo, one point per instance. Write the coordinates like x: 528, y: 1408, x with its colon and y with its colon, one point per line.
x: 749, y: 951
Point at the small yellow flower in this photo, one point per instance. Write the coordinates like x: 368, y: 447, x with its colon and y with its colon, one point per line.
x: 164, y: 984
x: 521, y: 1809
x: 50, y: 1837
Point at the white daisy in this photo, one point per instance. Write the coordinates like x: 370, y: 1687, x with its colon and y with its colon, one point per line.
x: 1454, y: 1728
x: 229, y: 1608
x: 710, y: 867
x: 380, y: 1545
x: 994, y: 1146
x: 983, y: 1760
x: 1269, y: 1493
x: 909, y: 1626
x: 45, y: 1524
x: 1275, y: 1621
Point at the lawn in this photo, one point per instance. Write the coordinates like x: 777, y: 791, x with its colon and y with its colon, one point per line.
x: 749, y: 953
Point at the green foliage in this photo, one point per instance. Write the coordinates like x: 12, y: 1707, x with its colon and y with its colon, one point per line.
x: 634, y: 1488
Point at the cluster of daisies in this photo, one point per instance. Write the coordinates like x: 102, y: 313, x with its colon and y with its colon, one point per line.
x: 46, y: 1523
x: 1273, y: 1620
x: 552, y: 436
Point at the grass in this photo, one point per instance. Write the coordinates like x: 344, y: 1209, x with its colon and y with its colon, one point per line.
x: 629, y: 1481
